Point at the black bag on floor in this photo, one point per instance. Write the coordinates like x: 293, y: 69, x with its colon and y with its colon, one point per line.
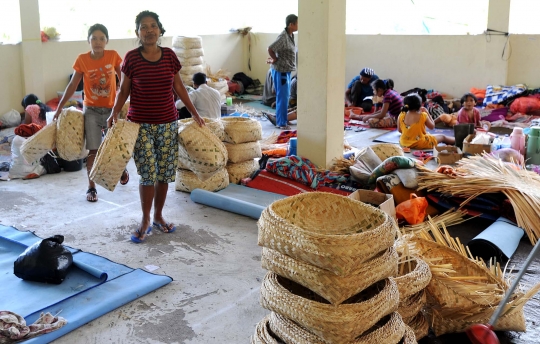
x: 46, y: 261
x: 50, y: 163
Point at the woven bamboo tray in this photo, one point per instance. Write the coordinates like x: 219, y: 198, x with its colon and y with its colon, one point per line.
x: 243, y: 151
x: 114, y: 153
x: 188, y: 181
x: 335, y: 324
x: 330, y: 286
x: 241, y: 130
x: 241, y: 170
x: 215, y: 126
x: 412, y: 282
x: 329, y: 231
x: 39, y: 144
x: 203, y: 152
x: 410, y: 306
x: 70, y: 134
x: 263, y: 334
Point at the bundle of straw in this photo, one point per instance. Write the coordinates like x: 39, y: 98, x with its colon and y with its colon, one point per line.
x: 486, y: 174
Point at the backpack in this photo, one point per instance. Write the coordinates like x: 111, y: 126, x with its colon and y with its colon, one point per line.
x: 246, y: 80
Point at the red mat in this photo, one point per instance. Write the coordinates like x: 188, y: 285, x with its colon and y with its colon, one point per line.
x: 270, y: 182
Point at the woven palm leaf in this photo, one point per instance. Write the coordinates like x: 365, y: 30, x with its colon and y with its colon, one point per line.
x: 241, y: 130
x: 37, y: 145
x: 326, y: 230
x: 336, y: 324
x: 188, y: 181
x: 241, y: 170
x: 70, y: 134
x: 243, y: 151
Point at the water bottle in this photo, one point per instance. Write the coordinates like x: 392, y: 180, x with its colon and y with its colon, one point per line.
x: 533, y: 146
x: 496, y: 144
x: 506, y: 142
x: 291, y: 150
x: 518, y: 140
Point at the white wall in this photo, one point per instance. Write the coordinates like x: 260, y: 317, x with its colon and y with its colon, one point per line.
x: 524, y: 59
x: 11, y: 80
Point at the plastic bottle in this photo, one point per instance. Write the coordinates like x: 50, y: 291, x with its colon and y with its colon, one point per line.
x: 495, y: 145
x: 533, y: 146
x: 506, y: 142
x: 518, y: 140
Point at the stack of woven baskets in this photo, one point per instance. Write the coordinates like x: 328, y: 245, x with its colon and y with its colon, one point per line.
x: 201, y: 156
x: 241, y: 139
x: 330, y: 259
x: 190, y: 53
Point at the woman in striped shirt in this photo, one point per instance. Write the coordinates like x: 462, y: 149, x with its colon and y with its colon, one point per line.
x: 392, y: 105
x: 149, y: 76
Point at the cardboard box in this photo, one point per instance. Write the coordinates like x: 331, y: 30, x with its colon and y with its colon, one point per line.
x: 447, y: 154
x: 384, y: 202
x: 471, y: 148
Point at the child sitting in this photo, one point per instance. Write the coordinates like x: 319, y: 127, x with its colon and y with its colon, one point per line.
x: 412, y: 125
x: 391, y: 105
x: 468, y: 113
x: 35, y: 111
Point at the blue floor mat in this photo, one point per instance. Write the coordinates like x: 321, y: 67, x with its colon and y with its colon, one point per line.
x: 394, y: 135
x: 94, y: 286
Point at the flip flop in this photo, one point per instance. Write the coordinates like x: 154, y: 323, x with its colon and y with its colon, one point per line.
x: 137, y: 240
x: 91, y: 191
x: 166, y: 226
x: 122, y: 181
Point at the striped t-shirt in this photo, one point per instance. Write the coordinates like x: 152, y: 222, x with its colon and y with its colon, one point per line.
x: 395, y: 102
x: 151, y: 97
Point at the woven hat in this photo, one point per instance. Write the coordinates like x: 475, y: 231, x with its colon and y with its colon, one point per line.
x: 188, y: 181
x: 330, y: 286
x: 243, y: 151
x: 202, y: 151
x: 241, y: 170
x: 335, y: 324
x: 241, y: 130
x: 215, y: 126
x: 37, y: 145
x: 330, y: 231
x: 114, y: 153
x: 70, y: 134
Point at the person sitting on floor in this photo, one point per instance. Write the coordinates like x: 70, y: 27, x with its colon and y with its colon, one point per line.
x: 206, y: 100
x: 392, y: 105
x: 412, y: 123
x: 269, y: 92
x: 291, y: 114
x: 359, y: 89
x: 34, y: 110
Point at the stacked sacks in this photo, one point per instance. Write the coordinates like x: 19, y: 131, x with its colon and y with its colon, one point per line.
x: 201, y: 156
x: 330, y: 260
x: 190, y: 53
x: 241, y: 139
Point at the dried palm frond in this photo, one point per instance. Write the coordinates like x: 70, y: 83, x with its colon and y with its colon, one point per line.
x: 220, y: 74
x: 486, y: 174
x: 252, y: 112
x: 449, y: 218
x: 340, y: 164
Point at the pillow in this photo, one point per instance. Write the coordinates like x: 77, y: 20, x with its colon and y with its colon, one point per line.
x: 390, y: 165
x: 77, y: 96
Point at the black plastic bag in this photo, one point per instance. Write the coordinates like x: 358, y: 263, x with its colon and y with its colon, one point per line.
x: 46, y: 261
x: 50, y: 163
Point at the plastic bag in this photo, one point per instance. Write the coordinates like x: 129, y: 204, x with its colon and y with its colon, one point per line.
x: 12, y: 118
x: 50, y: 163
x: 18, y: 167
x: 46, y: 261
x: 413, y: 211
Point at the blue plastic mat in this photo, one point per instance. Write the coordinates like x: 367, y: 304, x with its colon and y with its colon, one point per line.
x: 94, y: 286
x: 237, y: 199
x: 394, y: 135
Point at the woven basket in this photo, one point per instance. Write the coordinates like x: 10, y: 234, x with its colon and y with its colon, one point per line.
x: 215, y: 126
x: 191, y: 61
x: 201, y: 151
x: 410, y: 337
x: 190, y: 70
x: 114, y: 153
x: 187, y: 181
x: 389, y: 330
x: 330, y: 231
x: 335, y: 324
x: 386, y: 150
x: 188, y: 53
x: 330, y: 286
x: 241, y: 170
x: 194, y: 42
x: 243, y: 151
x: 37, y: 145
x: 125, y: 108
x: 70, y: 134
x: 263, y: 334
x: 241, y: 130
x: 419, y: 325
x: 411, y: 282
x: 410, y: 306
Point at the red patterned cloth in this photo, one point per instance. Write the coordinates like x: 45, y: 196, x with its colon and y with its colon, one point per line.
x: 285, y: 136
x: 27, y: 130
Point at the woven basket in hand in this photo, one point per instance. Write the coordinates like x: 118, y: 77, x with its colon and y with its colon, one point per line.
x: 241, y: 130
x: 243, y: 151
x: 187, y: 181
x: 125, y: 109
x: 215, y: 126
x: 186, y: 42
x: 410, y: 337
x: 330, y: 231
x: 263, y: 334
x: 37, y: 145
x: 330, y: 286
x: 410, y: 306
x: 241, y: 170
x: 70, y: 134
x: 202, y: 151
x: 335, y: 324
x: 114, y: 153
x: 411, y: 282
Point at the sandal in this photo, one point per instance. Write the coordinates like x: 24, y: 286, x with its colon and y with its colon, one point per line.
x: 93, y: 194
x: 125, y: 177
x: 270, y: 117
x: 166, y: 228
x: 137, y: 239
x: 284, y: 127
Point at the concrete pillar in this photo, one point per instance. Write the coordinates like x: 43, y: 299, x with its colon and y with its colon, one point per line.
x: 32, y: 63
x: 497, y: 63
x: 321, y: 76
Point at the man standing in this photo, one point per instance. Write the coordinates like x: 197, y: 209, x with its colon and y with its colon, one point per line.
x: 206, y: 100
x: 360, y: 88
x: 283, y: 59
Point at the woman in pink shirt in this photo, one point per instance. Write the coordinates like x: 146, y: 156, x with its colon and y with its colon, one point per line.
x: 35, y: 111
